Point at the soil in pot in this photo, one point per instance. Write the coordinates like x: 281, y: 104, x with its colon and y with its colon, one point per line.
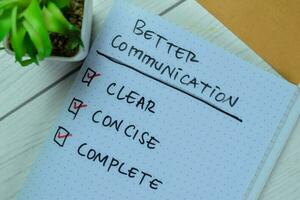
x: 74, y: 14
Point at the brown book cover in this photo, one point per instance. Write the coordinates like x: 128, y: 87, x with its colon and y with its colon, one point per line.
x: 270, y: 27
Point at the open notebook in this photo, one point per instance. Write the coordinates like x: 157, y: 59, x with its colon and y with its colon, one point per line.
x: 156, y: 113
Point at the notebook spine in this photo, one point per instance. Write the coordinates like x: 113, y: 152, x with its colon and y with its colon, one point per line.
x: 250, y: 190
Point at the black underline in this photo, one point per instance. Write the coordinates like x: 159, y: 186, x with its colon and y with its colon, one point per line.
x: 171, y: 86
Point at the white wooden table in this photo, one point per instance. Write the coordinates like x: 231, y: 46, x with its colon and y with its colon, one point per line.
x: 30, y: 99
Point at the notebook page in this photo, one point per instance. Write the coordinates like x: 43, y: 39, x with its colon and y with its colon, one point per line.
x: 157, y: 113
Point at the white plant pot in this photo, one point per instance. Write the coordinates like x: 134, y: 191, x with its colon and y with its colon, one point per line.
x: 86, y: 30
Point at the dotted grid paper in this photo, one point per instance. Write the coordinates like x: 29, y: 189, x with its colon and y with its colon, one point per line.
x: 198, y: 147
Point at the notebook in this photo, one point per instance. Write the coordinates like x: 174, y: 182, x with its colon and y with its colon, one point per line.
x: 157, y: 113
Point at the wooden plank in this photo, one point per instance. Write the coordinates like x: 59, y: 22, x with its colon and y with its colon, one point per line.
x: 19, y: 84
x: 284, y: 181
x: 22, y: 134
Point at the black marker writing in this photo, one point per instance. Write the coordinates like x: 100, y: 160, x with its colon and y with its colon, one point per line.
x: 171, y: 86
x: 121, y: 93
x: 113, y: 164
x: 162, y: 42
x: 131, y: 131
x: 174, y: 73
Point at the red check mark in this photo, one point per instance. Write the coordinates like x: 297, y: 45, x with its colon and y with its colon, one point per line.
x: 90, y: 76
x: 62, y: 136
x: 81, y: 105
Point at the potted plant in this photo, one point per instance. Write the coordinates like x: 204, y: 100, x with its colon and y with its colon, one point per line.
x: 34, y: 30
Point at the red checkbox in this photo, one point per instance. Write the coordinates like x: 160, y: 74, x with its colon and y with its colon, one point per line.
x: 75, y: 106
x: 93, y: 75
x: 61, y: 136
x: 89, y: 76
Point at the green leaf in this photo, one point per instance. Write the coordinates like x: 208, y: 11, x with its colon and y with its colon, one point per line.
x: 5, y: 24
x: 30, y: 49
x: 27, y: 62
x: 35, y: 25
x: 56, y: 21
x: 36, y: 39
x: 52, y: 23
x: 61, y: 3
x: 74, y: 42
x: 17, y: 36
x: 10, y: 4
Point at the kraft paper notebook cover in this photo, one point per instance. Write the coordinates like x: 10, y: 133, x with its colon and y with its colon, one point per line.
x: 157, y: 113
x: 271, y: 28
